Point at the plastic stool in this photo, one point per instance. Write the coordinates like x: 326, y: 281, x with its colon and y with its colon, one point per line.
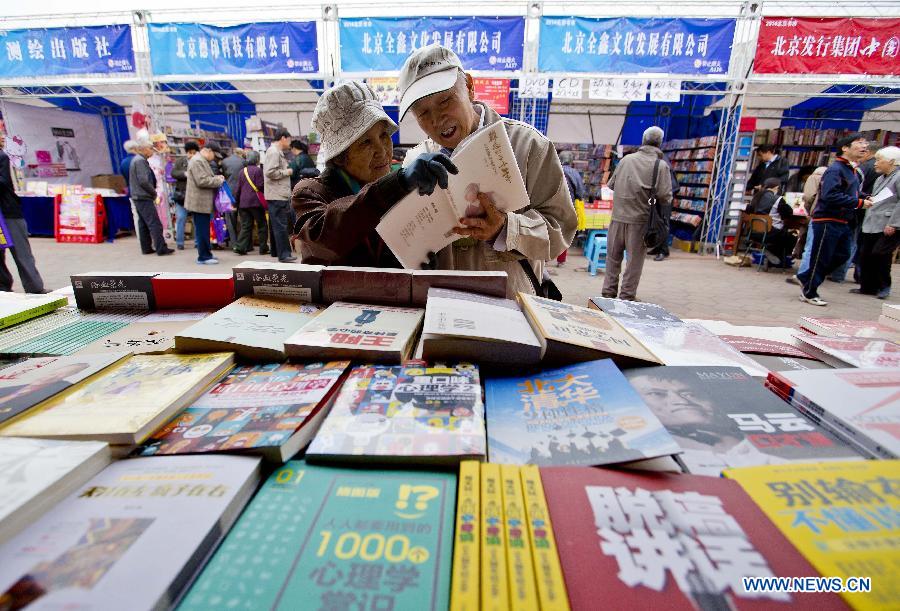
x: 598, y: 255
x: 589, y: 241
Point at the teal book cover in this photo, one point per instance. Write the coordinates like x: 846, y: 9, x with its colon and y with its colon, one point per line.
x: 330, y: 538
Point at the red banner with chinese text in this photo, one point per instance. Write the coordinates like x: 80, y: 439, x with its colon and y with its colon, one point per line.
x: 809, y: 45
x: 494, y: 92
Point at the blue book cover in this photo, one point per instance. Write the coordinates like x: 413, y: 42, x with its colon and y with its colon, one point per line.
x: 585, y: 414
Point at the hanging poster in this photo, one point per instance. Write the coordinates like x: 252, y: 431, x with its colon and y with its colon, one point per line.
x: 249, y: 48
x: 99, y: 49
x: 384, y: 43
x: 386, y: 89
x: 811, y: 45
x: 494, y: 92
x: 65, y: 153
x: 631, y: 45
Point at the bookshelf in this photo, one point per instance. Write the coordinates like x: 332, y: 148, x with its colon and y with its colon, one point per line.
x: 692, y: 162
x: 594, y: 162
x: 177, y: 136
x: 813, y: 147
x: 740, y: 173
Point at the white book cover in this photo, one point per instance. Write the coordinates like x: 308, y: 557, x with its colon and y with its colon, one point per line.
x: 32, y: 471
x: 852, y: 351
x: 130, y: 538
x: 867, y: 400
x: 419, y: 224
x: 468, y: 315
x: 356, y: 326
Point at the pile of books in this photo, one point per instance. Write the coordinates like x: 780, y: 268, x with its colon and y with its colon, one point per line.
x: 304, y: 437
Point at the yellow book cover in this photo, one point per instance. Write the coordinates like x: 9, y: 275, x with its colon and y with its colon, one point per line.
x: 494, y: 592
x: 126, y: 402
x: 522, y: 589
x: 550, y: 585
x: 464, y: 590
x: 842, y: 516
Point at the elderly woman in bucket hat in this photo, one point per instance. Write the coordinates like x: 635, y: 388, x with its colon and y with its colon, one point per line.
x: 337, y: 211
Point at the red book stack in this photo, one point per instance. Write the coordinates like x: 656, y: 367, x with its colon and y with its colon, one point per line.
x: 193, y: 291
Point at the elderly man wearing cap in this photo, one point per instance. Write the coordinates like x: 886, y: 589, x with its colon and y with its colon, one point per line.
x: 142, y: 190
x: 441, y: 96
x: 338, y: 210
x: 199, y: 198
x: 278, y: 194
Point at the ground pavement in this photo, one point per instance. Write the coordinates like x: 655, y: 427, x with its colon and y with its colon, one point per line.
x: 689, y: 285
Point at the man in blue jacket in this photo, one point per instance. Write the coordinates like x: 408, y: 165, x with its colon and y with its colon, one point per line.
x: 834, y: 216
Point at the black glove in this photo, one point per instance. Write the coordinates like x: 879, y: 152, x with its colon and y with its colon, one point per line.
x: 431, y: 263
x: 426, y: 171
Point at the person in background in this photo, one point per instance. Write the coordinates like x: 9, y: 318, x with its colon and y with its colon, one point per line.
x: 278, y: 194
x: 231, y: 169
x: 839, y: 198
x: 302, y: 165
x: 248, y: 196
x: 337, y: 211
x: 632, y: 189
x: 142, y: 189
x: 881, y: 227
x: 803, y: 247
x: 179, y: 173
x: 576, y: 190
x: 202, y: 185
x: 779, y: 241
x: 441, y: 96
x: 661, y: 252
x: 125, y: 165
x: 867, y: 167
x: 397, y: 158
x: 11, y: 207
x: 771, y: 165
x: 765, y: 198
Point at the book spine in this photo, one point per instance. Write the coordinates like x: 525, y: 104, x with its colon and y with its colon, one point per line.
x: 464, y: 590
x: 494, y: 591
x: 550, y: 585
x: 522, y: 588
x: 14, y: 319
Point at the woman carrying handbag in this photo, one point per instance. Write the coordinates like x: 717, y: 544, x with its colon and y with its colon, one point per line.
x: 252, y: 207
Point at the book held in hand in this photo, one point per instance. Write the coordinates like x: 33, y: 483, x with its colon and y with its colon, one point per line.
x: 721, y: 417
x: 126, y: 402
x: 419, y: 224
x: 405, y: 413
x: 272, y: 410
x: 585, y: 414
x: 663, y: 541
x: 466, y: 326
x: 132, y: 537
x: 254, y: 328
x: 35, y: 474
x: 314, y: 535
x: 571, y: 333
x: 356, y: 331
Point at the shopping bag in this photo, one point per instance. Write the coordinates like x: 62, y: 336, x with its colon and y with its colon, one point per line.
x: 224, y: 199
x: 220, y: 230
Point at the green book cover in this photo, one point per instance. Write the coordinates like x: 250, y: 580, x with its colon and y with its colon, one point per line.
x: 323, y: 537
x: 67, y: 339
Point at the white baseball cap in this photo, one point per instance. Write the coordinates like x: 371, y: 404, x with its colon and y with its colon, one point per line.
x: 343, y: 114
x: 427, y: 71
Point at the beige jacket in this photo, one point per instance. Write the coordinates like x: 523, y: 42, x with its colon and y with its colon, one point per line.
x: 811, y: 188
x: 632, y: 184
x: 539, y: 232
x: 278, y: 175
x: 202, y: 185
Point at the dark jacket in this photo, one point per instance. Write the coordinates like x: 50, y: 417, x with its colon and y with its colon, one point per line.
x: 179, y: 173
x: 336, y: 227
x: 575, y: 183
x: 244, y: 194
x: 867, y: 168
x: 231, y: 168
x: 125, y: 166
x: 779, y: 168
x: 839, y: 194
x: 762, y: 203
x: 300, y: 163
x: 141, y: 179
x: 10, y: 204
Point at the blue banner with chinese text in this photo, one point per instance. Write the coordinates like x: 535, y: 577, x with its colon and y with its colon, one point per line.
x: 250, y: 48
x: 383, y: 44
x: 628, y: 45
x: 99, y: 49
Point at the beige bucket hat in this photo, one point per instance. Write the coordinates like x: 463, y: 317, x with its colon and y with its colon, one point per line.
x: 343, y: 114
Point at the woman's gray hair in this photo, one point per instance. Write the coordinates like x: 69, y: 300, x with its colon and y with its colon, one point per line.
x: 653, y: 136
x: 889, y: 153
x: 253, y: 158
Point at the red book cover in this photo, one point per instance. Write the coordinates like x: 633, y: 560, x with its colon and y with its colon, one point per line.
x: 642, y: 540
x: 759, y: 345
x: 366, y: 285
x: 193, y: 291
